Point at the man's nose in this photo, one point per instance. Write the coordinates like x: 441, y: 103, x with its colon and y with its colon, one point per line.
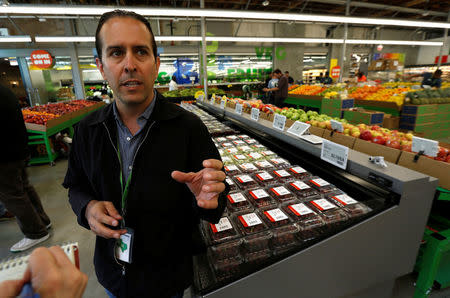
x: 130, y: 63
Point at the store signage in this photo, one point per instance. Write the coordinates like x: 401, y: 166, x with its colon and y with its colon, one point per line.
x: 298, y: 128
x: 335, y: 154
x: 279, y: 121
x: 335, y: 71
x: 336, y: 125
x: 426, y: 146
x: 444, y: 59
x: 238, y: 109
x: 255, y: 114
x: 41, y: 59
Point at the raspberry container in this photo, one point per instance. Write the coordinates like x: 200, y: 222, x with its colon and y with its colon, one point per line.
x: 223, y: 231
x: 302, y: 190
x: 232, y: 137
x: 268, y: 154
x: 233, y: 186
x: 305, y: 217
x: 260, y: 198
x: 263, y: 165
x: 240, y: 158
x: 231, y: 169
x: 274, y: 217
x: 254, y: 156
x: 245, y: 149
x: 279, y: 162
x: 257, y: 236
x: 281, y: 193
x: 220, y: 140
x: 350, y: 205
x: 245, y: 182
x: 227, y: 145
x: 257, y: 257
x: 321, y: 185
x: 243, y: 136
x: 238, y: 201
x: 232, y: 150
x: 258, y: 147
x: 330, y: 212
x: 282, y: 175
x: 248, y: 168
x: 298, y: 172
x: 226, y: 268
x: 239, y: 143
x: 251, y: 141
x: 264, y: 178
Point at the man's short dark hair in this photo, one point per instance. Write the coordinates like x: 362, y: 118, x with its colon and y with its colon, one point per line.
x: 122, y: 14
x: 438, y: 72
x: 277, y: 71
x: 286, y: 71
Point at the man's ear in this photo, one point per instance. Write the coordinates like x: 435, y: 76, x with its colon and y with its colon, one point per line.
x: 100, y: 67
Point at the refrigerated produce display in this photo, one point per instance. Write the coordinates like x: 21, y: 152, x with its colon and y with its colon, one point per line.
x: 296, y: 214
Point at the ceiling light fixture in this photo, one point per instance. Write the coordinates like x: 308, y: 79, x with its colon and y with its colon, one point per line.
x: 265, y: 3
x: 17, y: 38
x: 84, y: 10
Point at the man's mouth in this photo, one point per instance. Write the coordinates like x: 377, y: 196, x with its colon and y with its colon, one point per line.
x: 131, y: 83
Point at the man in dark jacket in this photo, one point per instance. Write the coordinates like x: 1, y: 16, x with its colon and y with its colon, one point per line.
x: 280, y: 91
x: 18, y: 196
x: 142, y: 171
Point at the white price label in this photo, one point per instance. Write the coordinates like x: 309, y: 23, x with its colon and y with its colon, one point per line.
x: 319, y: 182
x: 240, y: 157
x: 232, y: 150
x: 249, y: 220
x: 232, y: 137
x: 236, y: 198
x: 345, y: 199
x: 275, y: 215
x: 245, y: 148
x: 243, y: 136
x: 278, y: 161
x: 335, y: 154
x: 259, y: 194
x: 226, y: 159
x: 298, y: 128
x: 429, y: 147
x: 223, y: 225
x: 239, y: 142
x: 249, y: 167
x: 250, y: 141
x: 300, y: 185
x: 279, y: 121
x: 298, y: 170
x: 229, y: 181
x: 221, y: 139
x: 263, y: 164
x: 280, y: 191
x: 300, y: 209
x: 259, y: 146
x: 255, y: 114
x: 238, y: 109
x: 282, y: 173
x: 268, y: 153
x: 264, y: 176
x: 336, y: 125
x: 255, y: 155
x: 227, y: 145
x: 244, y: 178
x: 231, y: 168
x: 323, y: 204
x: 223, y: 103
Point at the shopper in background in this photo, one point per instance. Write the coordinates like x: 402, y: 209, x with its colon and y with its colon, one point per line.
x: 16, y: 193
x: 51, y: 274
x: 273, y: 83
x: 281, y: 90
x: 173, y: 84
x: 327, y: 80
x: 361, y: 77
x: 290, y: 79
x: 429, y: 79
x: 158, y: 173
x: 5, y: 214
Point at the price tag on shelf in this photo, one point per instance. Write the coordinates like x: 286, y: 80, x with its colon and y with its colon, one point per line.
x: 298, y: 128
x: 279, y: 121
x: 336, y: 125
x: 335, y: 154
x: 238, y: 109
x: 429, y: 147
x: 255, y: 114
x: 222, y: 103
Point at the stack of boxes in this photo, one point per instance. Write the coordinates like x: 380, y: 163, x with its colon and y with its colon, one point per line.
x: 359, y: 115
x: 336, y: 107
x: 433, y: 121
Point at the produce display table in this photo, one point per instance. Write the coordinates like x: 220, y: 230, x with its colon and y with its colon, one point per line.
x: 382, y: 106
x: 39, y: 134
x: 312, y: 101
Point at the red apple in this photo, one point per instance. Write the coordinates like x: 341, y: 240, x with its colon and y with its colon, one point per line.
x: 393, y: 143
x: 448, y: 158
x: 443, y: 152
x: 379, y: 140
x: 406, y: 147
x: 366, y: 135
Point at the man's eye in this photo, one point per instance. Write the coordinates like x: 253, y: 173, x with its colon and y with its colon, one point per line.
x: 142, y: 52
x: 116, y: 53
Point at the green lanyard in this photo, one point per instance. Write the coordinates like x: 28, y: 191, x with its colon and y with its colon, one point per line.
x: 127, y: 185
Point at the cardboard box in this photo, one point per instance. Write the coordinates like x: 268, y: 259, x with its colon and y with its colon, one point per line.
x: 333, y: 112
x: 427, y: 166
x: 418, y: 127
x: 391, y: 122
x: 339, y: 138
x: 437, y: 134
x: 380, y: 64
x: 316, y: 131
x: 377, y: 104
x: 289, y: 123
x: 337, y: 104
x: 389, y: 154
x: 359, y: 115
x: 50, y: 123
x: 418, y: 119
x: 419, y: 109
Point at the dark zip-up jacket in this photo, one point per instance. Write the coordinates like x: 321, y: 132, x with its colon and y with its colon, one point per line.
x: 162, y: 212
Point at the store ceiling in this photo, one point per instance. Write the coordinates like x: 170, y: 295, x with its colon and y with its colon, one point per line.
x: 431, y: 10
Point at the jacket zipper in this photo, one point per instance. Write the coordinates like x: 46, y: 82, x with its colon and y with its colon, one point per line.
x: 132, y: 164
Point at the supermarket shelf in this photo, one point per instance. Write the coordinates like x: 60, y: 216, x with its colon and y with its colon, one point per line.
x: 363, y: 260
x: 305, y: 100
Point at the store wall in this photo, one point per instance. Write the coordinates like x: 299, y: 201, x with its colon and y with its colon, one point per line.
x: 426, y: 55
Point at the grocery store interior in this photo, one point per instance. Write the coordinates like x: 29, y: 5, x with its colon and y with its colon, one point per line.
x: 338, y: 167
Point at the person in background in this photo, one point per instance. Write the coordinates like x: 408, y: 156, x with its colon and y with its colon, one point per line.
x: 16, y: 193
x: 361, y: 77
x: 327, y: 80
x: 319, y: 79
x: 429, y: 79
x: 5, y: 214
x: 290, y: 79
x: 281, y: 90
x: 173, y: 84
x: 51, y: 274
x: 273, y: 83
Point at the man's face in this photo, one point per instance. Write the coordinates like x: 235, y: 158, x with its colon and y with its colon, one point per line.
x: 127, y: 60
x: 286, y: 75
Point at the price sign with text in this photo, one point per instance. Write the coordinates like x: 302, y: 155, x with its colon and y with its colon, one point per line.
x: 279, y: 121
x: 222, y: 103
x: 238, y: 109
x: 255, y: 114
x: 298, y: 128
x: 335, y: 154
x: 336, y: 125
x: 429, y: 147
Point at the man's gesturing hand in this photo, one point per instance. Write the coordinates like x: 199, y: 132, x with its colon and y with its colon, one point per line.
x: 206, y: 184
x: 99, y: 213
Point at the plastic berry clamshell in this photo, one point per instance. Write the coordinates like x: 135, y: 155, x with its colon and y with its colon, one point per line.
x: 232, y: 137
x: 264, y: 178
x: 279, y: 162
x: 231, y: 169
x: 244, y: 136
x: 251, y: 141
x: 248, y: 167
x: 305, y: 217
x: 227, y: 160
x: 220, y: 139
x: 350, y: 205
x: 268, y: 154
x: 257, y: 236
x: 223, y: 231
x: 244, y: 181
x: 237, y: 201
x: 226, y: 268
x: 255, y: 156
x: 239, y: 143
x: 281, y: 193
x: 329, y: 211
x: 232, y: 150
x: 246, y: 149
x: 259, y: 256
x: 274, y: 217
x: 298, y: 172
x: 233, y: 186
x: 227, y: 145
x: 263, y: 165
x: 282, y: 175
x: 240, y: 158
x: 260, y: 198
x: 321, y: 185
x: 258, y: 147
x: 302, y: 190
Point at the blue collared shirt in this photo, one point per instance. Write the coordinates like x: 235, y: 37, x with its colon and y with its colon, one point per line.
x: 128, y: 143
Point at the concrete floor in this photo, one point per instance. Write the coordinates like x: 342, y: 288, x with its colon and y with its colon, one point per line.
x: 47, y: 181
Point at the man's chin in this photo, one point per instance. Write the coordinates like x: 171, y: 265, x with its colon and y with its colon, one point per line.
x: 132, y: 101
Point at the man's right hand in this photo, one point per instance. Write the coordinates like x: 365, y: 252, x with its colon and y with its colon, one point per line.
x: 99, y: 213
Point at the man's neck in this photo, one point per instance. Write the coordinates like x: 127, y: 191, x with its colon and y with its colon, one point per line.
x: 132, y: 112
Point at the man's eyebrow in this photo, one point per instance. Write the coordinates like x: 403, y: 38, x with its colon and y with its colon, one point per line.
x: 142, y: 47
x: 114, y: 48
